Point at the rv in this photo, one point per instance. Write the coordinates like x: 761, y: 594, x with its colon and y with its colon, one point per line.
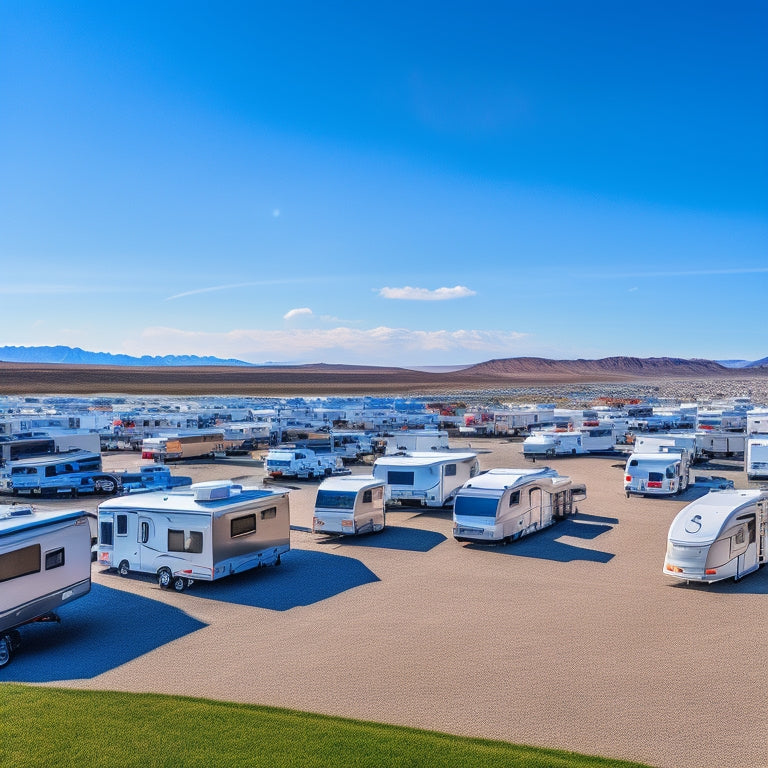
x: 424, y: 479
x: 45, y: 562
x: 718, y: 443
x: 349, y: 505
x: 408, y: 441
x: 721, y: 535
x: 73, y: 473
x: 505, y: 504
x: 564, y: 442
x: 668, y: 440
x: 662, y: 474
x: 203, y: 532
x: 182, y: 445
x: 302, y: 462
x: 756, y: 458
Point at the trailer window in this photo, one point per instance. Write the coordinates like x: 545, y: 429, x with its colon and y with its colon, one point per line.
x: 655, y: 477
x: 122, y: 525
x: 514, y: 498
x: 54, y: 559
x: 105, y: 532
x: 450, y: 470
x: 670, y: 472
x: 181, y: 541
x: 336, y: 499
x: 20, y: 562
x: 241, y: 526
x: 399, y: 478
x: 367, y: 496
x: 269, y: 514
x: 475, y: 506
x: 144, y: 532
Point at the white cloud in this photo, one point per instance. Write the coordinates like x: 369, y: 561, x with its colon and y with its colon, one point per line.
x: 373, y: 346
x: 425, y: 294
x: 297, y: 313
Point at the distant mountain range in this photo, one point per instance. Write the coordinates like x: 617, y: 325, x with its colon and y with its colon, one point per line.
x: 77, y: 356
x: 744, y: 363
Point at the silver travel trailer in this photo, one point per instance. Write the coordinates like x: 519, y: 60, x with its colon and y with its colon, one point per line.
x: 412, y: 440
x: 711, y: 442
x: 304, y: 463
x: 720, y: 536
x: 756, y: 458
x: 350, y: 505
x: 505, y: 504
x: 201, y: 532
x: 653, y: 443
x: 424, y: 479
x: 45, y: 562
x: 657, y: 474
x: 569, y: 442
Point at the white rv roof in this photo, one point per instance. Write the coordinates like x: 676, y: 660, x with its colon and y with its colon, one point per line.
x: 703, y: 519
x: 350, y: 483
x: 501, y: 479
x: 424, y: 458
x: 665, y: 457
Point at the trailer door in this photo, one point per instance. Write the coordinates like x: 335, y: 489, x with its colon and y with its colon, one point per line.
x: 535, y: 498
x: 145, y: 534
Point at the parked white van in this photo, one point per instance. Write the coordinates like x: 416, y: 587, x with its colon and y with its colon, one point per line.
x: 721, y: 535
x: 350, y: 505
x: 505, y: 504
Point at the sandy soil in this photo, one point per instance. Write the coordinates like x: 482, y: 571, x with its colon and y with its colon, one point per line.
x: 571, y: 638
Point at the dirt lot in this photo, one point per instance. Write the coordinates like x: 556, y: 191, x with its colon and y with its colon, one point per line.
x: 571, y: 638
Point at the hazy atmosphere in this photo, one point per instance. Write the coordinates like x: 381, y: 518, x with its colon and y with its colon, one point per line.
x: 401, y: 185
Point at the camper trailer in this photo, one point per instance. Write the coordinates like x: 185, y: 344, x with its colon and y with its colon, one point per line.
x: 302, y: 462
x: 424, y: 479
x: 183, y: 445
x: 720, y: 536
x: 718, y: 443
x: 661, y: 474
x: 45, y: 562
x: 203, y: 532
x: 658, y: 441
x: 349, y: 505
x: 411, y: 440
x: 72, y: 473
x: 505, y: 504
x: 756, y: 458
x: 569, y: 442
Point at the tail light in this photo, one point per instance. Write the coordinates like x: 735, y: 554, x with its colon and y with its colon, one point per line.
x: 628, y: 479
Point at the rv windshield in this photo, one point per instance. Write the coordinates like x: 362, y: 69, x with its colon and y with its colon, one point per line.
x: 475, y: 506
x: 336, y: 499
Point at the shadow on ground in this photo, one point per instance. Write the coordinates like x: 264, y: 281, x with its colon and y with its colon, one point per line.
x: 98, y: 632
x: 393, y: 537
x: 303, y: 578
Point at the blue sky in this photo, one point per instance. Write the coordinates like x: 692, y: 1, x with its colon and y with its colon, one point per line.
x: 413, y: 184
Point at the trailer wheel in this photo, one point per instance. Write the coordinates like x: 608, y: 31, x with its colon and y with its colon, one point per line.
x: 6, y: 650
x: 179, y: 584
x: 164, y: 578
x: 123, y: 568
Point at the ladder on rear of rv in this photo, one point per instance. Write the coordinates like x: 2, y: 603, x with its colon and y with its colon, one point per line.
x: 762, y: 531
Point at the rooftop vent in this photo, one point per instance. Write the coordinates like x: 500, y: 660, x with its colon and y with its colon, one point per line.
x: 215, y: 489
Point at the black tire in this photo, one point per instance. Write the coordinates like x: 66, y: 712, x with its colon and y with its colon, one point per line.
x: 106, y: 485
x: 311, y: 476
x: 123, y: 568
x: 179, y: 584
x: 6, y: 650
x: 164, y: 578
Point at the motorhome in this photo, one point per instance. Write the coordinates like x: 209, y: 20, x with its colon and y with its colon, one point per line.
x: 424, y: 479
x: 202, y: 532
x: 72, y: 473
x: 45, y: 562
x: 303, y: 463
x: 505, y: 504
x: 183, y: 445
x: 721, y: 535
x: 662, y: 474
x: 569, y: 442
x: 349, y: 505
x: 756, y: 458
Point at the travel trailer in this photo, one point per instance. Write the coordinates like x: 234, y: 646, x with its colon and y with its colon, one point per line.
x: 408, y: 441
x: 45, y: 562
x: 424, y: 479
x: 720, y: 536
x: 72, y: 473
x: 661, y: 474
x: 349, y: 505
x: 203, y: 532
x: 505, y: 504
x: 182, y: 445
x: 756, y: 458
x: 718, y: 443
x: 569, y: 442
x: 303, y: 463
x: 672, y: 440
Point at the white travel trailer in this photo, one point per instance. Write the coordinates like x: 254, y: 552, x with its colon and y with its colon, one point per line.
x: 409, y: 441
x: 718, y: 443
x: 662, y: 474
x: 756, y: 458
x: 721, y: 535
x: 349, y: 505
x: 45, y: 562
x: 302, y: 462
x: 205, y: 531
x: 562, y: 442
x: 667, y: 440
x: 505, y: 504
x: 183, y: 445
x: 424, y: 479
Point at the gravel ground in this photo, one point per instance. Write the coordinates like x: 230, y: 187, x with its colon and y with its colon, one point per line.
x: 571, y: 638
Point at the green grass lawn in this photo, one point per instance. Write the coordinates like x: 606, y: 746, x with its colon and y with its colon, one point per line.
x: 57, y: 727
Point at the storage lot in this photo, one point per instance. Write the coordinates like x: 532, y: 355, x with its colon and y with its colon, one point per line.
x: 571, y: 638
